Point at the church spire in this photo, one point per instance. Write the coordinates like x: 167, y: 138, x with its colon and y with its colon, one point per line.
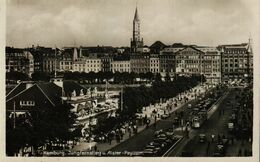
x: 136, y: 18
x: 136, y: 41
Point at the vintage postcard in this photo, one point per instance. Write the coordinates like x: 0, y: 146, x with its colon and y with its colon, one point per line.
x: 172, y: 80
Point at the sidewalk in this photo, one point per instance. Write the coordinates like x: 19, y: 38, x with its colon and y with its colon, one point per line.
x: 107, y: 146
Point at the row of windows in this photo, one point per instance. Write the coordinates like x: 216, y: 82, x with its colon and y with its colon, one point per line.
x: 236, y: 65
x: 235, y: 70
x: 93, y: 61
x: 236, y: 51
x: 65, y: 63
x: 120, y: 65
x: 88, y: 70
x: 235, y: 60
x: 83, y: 65
x: 27, y: 103
x: 154, y: 65
x: 14, y: 54
x: 154, y: 61
x: 192, y: 66
x: 121, y: 70
x: 154, y: 70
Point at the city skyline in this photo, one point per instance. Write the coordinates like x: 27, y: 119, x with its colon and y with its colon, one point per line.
x: 85, y: 24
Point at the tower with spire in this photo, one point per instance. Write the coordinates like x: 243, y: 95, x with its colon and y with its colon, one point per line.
x: 136, y: 41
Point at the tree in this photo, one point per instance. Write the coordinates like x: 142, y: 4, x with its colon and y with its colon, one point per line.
x: 108, y: 75
x: 158, y: 78
x: 132, y: 77
x: 100, y: 76
x: 39, y: 127
x: 149, y: 76
x: 142, y: 76
x: 40, y: 76
x: 92, y: 76
x: 14, y: 75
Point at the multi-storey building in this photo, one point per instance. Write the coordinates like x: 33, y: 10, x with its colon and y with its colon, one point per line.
x: 237, y: 62
x: 189, y: 61
x: 19, y: 60
x: 105, y: 63
x: 92, y: 64
x: 50, y: 64
x: 211, y: 64
x: 66, y: 62
x: 140, y: 63
x: 51, y: 61
x: 120, y: 66
x: 80, y: 65
x: 167, y: 63
x: 39, y: 54
x: 154, y: 63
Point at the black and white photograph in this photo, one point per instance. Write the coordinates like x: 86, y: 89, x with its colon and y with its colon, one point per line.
x: 131, y: 78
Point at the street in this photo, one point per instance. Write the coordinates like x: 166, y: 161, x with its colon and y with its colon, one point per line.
x: 217, y: 126
x: 138, y: 142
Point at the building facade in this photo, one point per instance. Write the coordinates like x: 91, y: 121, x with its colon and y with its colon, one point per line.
x: 19, y: 60
x: 92, y: 64
x: 66, y: 62
x: 120, y: 66
x: 237, y: 62
x: 140, y: 63
x: 105, y: 63
x: 154, y: 63
x: 167, y: 63
x: 211, y: 64
x: 189, y: 61
x: 49, y: 64
x: 79, y: 65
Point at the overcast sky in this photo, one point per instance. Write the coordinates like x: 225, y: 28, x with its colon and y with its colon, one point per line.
x: 109, y: 22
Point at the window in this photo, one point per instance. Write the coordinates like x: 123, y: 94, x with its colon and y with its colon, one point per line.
x: 27, y: 103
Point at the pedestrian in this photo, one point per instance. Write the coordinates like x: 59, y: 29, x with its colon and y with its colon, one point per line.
x: 95, y: 148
